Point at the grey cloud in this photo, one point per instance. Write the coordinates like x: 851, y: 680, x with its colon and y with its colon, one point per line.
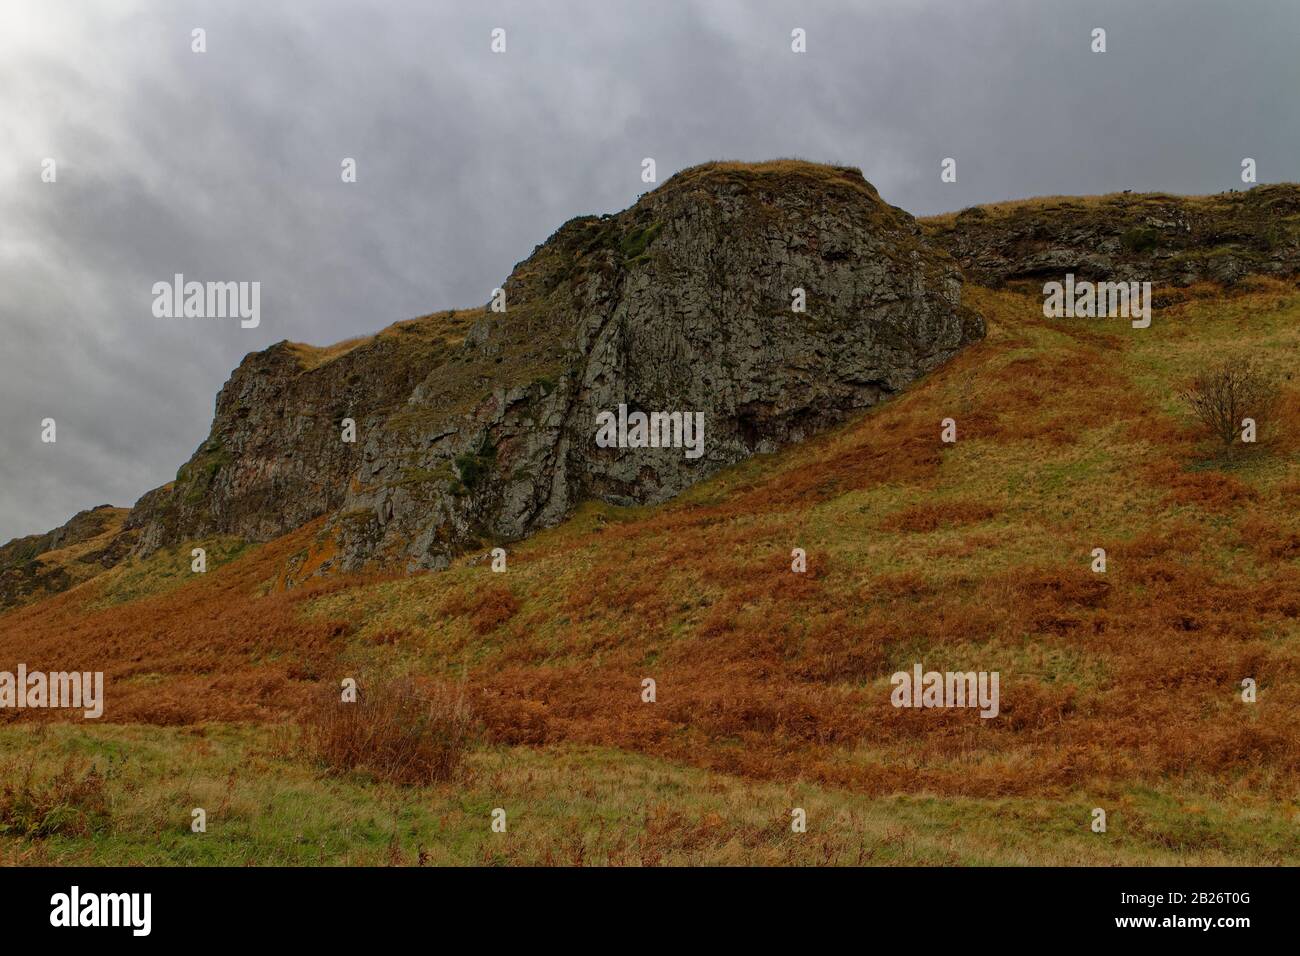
x: 226, y: 165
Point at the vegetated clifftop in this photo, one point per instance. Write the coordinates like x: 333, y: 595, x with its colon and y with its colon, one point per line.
x: 479, y: 426
x: 1155, y: 237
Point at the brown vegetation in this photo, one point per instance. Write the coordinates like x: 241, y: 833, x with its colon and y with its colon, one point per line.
x: 398, y: 730
x: 228, y: 645
x: 969, y: 556
x: 71, y: 802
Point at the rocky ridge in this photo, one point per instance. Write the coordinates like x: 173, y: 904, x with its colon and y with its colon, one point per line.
x: 1154, y: 237
x: 477, y: 427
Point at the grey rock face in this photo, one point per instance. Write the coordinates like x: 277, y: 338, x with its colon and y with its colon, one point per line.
x: 482, y: 428
x: 274, y: 458
x: 681, y: 304
x: 1152, y: 237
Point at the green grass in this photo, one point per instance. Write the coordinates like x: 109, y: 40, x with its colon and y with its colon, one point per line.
x: 588, y: 805
x: 164, y: 570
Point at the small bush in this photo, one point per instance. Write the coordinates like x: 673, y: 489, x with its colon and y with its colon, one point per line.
x: 1139, y: 240
x: 72, y: 802
x: 396, y: 730
x: 636, y: 242
x: 1222, y: 396
x: 471, y: 469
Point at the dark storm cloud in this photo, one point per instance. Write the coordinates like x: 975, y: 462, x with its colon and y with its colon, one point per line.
x: 225, y: 165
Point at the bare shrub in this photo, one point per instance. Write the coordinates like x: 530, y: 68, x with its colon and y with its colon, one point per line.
x: 1222, y: 396
x: 396, y: 730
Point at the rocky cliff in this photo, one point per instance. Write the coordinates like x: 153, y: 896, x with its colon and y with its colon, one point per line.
x: 479, y: 426
x: 274, y: 458
x: 1155, y: 237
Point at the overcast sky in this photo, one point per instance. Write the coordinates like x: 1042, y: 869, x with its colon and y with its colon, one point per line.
x: 225, y: 165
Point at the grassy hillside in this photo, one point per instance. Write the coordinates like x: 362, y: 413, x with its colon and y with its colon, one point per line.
x: 36, y: 566
x: 1119, y: 690
x: 569, y: 806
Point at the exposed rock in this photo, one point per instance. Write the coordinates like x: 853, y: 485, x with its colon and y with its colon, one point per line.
x: 475, y: 426
x: 274, y: 459
x: 485, y: 431
x: 679, y: 304
x: 1124, y: 237
x: 38, y: 565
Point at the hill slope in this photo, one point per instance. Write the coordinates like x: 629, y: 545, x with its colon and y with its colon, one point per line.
x: 1120, y: 690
